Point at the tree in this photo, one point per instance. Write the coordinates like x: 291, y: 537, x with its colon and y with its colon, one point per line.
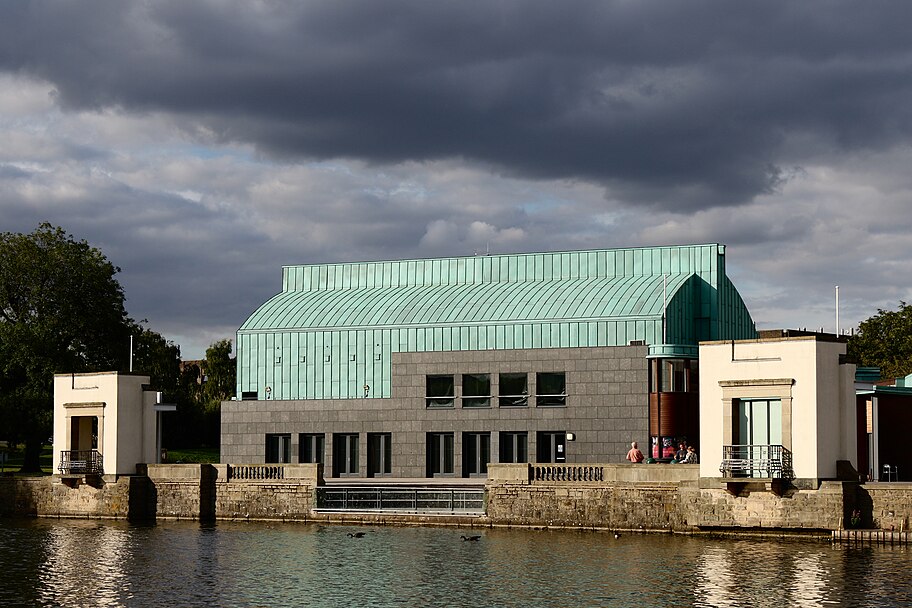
x: 61, y: 310
x: 159, y: 358
x: 885, y: 341
x: 203, y: 385
x: 221, y: 374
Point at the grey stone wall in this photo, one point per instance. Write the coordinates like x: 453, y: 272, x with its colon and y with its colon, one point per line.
x: 631, y: 497
x: 824, y: 508
x: 886, y: 506
x: 606, y: 408
x: 206, y: 492
x: 48, y: 497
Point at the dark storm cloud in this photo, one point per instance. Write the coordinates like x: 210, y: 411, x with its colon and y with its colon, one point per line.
x: 677, y: 104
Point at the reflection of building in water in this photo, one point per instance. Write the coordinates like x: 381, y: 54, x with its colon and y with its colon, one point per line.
x: 87, y: 564
x: 807, y: 580
x: 713, y: 583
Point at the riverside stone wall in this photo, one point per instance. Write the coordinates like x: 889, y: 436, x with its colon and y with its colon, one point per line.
x: 655, y: 497
x: 48, y: 497
x: 233, y: 491
x: 886, y: 506
x: 587, y: 496
x: 825, y: 508
x: 632, y: 497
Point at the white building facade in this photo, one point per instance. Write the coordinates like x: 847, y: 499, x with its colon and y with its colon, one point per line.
x: 777, y: 408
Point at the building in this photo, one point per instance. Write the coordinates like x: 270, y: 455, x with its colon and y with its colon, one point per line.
x: 884, y: 415
x: 105, y: 423
x: 435, y: 367
x: 778, y: 408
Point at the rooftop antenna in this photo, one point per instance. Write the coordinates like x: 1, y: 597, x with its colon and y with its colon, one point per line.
x: 131, y: 353
x: 837, y: 310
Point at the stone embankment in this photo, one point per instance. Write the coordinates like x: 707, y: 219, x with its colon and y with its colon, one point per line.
x: 609, y: 496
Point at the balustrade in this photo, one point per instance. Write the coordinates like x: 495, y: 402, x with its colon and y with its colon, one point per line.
x: 567, y: 472
x: 256, y: 472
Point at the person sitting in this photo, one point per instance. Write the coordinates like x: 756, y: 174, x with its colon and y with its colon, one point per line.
x: 691, y: 457
x: 681, y: 454
x: 634, y: 455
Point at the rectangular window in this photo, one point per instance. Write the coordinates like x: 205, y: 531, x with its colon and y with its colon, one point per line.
x: 278, y: 448
x: 345, y: 454
x: 476, y: 453
x: 439, y: 454
x: 551, y: 446
x: 311, y: 447
x: 759, y: 422
x: 514, y: 390
x: 379, y: 454
x: 674, y: 376
x: 550, y: 389
x: 476, y: 390
x: 441, y: 391
x: 514, y: 446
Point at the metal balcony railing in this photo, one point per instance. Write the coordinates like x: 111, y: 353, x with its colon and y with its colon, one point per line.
x: 81, y: 462
x: 761, y: 461
x: 394, y: 499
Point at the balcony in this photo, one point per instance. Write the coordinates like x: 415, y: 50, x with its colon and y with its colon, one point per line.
x: 80, y: 462
x: 772, y: 462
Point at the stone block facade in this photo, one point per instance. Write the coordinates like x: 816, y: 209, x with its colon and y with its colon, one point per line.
x: 48, y: 497
x: 885, y: 506
x: 624, y: 497
x: 824, y: 508
x: 606, y: 408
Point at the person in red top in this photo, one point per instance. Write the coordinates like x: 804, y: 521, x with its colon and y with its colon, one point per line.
x: 634, y: 455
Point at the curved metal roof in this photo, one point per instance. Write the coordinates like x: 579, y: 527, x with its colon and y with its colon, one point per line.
x: 510, y: 302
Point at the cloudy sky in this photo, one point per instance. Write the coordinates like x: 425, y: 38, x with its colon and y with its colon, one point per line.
x: 202, y: 145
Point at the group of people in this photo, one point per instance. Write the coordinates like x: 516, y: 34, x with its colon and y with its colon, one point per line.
x: 686, y: 454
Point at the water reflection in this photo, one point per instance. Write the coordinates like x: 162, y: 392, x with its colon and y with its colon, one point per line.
x: 79, y: 563
x: 84, y: 559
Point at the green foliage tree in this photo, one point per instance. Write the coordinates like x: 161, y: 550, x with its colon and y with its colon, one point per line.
x: 61, y: 310
x: 885, y: 341
x: 159, y: 358
x: 221, y: 374
x: 203, y: 385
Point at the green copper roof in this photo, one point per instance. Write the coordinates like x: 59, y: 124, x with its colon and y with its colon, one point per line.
x: 599, y: 298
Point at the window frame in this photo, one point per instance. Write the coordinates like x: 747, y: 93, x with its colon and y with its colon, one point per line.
x: 513, y: 400
x: 432, y: 401
x: 550, y: 399
x: 473, y: 401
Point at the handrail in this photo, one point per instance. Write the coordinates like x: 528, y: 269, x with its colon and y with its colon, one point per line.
x: 81, y: 462
x: 770, y: 461
x: 401, y: 499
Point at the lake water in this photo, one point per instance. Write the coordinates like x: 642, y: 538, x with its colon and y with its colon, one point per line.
x: 99, y: 563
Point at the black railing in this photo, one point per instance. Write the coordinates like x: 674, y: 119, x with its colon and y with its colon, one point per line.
x: 761, y: 461
x: 81, y: 462
x: 393, y: 499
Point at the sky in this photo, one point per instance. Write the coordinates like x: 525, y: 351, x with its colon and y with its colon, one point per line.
x: 202, y: 145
